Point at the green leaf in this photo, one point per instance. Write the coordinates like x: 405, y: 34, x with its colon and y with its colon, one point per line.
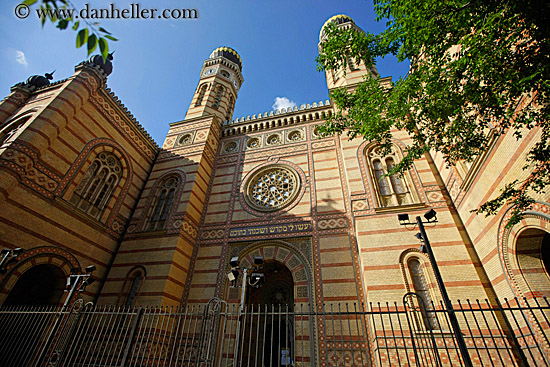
x: 75, y: 26
x: 42, y: 19
x: 101, y: 29
x: 29, y: 2
x: 92, y: 43
x: 111, y: 38
x: 62, y: 24
x: 104, y: 48
x: 81, y: 37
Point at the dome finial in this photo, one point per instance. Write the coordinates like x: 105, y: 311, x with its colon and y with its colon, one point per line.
x: 229, y: 54
x: 336, y: 19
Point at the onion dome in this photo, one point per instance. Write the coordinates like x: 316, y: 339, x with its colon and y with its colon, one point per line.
x: 106, y: 66
x: 229, y: 54
x: 39, y: 80
x: 337, y: 19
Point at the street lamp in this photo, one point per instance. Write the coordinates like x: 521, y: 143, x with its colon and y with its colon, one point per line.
x: 9, y: 256
x: 255, y: 280
x: 431, y: 217
x: 76, y: 280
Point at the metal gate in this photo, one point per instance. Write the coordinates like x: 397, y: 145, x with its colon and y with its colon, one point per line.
x: 406, y: 334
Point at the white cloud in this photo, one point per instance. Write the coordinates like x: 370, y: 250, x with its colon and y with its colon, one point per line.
x: 283, y: 102
x: 20, y: 57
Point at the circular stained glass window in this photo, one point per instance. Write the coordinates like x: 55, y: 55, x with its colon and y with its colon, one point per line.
x: 272, y: 188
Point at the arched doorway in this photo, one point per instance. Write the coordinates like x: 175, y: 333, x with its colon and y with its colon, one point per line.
x: 272, y: 323
x: 40, y: 285
x: 533, y: 257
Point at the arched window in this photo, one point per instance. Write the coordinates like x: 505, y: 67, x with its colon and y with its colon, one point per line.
x: 392, y: 190
x: 132, y: 285
x: 12, y: 128
x: 202, y: 92
x: 334, y: 75
x: 162, y: 204
x: 229, y: 113
x: 421, y: 289
x: 98, y: 184
x: 219, y: 94
x: 351, y: 64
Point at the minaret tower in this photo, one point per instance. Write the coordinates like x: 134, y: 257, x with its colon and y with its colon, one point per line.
x: 220, y: 80
x: 355, y: 71
x: 164, y: 228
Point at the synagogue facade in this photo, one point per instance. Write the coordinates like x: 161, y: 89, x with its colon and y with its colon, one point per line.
x: 82, y: 183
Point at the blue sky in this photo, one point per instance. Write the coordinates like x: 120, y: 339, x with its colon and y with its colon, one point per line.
x: 157, y: 62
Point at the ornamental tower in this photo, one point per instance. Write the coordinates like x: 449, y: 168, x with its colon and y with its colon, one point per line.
x: 355, y: 71
x: 163, y: 231
x: 219, y: 84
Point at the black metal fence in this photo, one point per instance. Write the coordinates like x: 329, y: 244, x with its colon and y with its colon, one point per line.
x: 217, y: 335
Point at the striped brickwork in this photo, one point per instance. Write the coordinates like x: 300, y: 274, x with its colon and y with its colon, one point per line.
x: 67, y: 125
x: 494, y: 244
x: 165, y: 252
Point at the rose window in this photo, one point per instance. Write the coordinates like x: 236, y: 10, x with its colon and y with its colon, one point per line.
x: 272, y: 188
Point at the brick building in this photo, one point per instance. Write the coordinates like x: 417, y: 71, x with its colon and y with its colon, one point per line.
x: 82, y: 183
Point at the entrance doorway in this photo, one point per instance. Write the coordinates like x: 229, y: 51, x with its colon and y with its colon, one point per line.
x: 40, y: 285
x: 271, y: 336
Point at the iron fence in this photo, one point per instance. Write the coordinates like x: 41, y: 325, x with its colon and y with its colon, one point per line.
x: 342, y: 335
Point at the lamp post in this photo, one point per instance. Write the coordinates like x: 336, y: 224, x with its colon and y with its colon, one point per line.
x: 426, y: 248
x: 74, y: 280
x: 255, y: 280
x: 9, y: 256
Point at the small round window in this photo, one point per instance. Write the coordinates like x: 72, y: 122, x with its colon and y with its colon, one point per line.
x: 230, y: 147
x: 295, y: 135
x: 253, y: 143
x: 185, y: 139
x: 272, y: 188
x: 273, y: 139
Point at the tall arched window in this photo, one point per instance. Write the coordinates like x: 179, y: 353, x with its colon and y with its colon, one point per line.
x: 162, y: 204
x: 98, y: 184
x: 132, y: 285
x: 351, y: 63
x: 219, y: 95
x: 202, y: 92
x: 229, y: 113
x: 421, y: 289
x: 392, y: 190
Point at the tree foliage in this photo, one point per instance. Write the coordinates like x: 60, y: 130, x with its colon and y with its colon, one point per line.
x: 477, y: 68
x: 61, y: 13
